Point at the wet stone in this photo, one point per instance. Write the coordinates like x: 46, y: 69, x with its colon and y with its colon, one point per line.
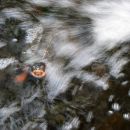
x: 129, y: 92
x: 111, y: 97
x: 89, y: 117
x: 116, y: 107
x: 110, y: 112
x: 14, y: 40
x: 99, y: 69
x: 93, y: 128
x: 59, y: 119
x: 124, y: 83
x: 126, y: 116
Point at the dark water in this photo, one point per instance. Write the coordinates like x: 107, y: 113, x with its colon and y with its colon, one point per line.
x: 86, y: 51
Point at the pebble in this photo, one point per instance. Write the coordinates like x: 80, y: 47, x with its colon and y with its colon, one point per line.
x: 93, y: 128
x: 111, y: 97
x: 110, y: 112
x: 124, y: 83
x: 129, y: 92
x: 14, y: 40
x: 126, y: 116
x: 116, y: 107
x: 90, y: 116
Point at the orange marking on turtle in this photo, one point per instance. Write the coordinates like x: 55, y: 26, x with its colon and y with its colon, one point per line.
x: 21, y: 77
x: 38, y: 73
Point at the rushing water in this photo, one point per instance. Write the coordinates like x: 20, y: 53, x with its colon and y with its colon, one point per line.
x: 85, y: 45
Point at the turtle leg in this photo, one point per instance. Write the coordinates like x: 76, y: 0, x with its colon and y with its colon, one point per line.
x: 42, y: 84
x: 45, y: 93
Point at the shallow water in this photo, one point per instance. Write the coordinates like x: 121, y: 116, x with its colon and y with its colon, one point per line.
x: 85, y: 45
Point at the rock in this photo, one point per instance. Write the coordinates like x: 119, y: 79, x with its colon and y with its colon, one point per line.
x: 99, y: 69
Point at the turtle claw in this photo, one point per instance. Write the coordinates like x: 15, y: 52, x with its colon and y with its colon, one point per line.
x: 48, y: 104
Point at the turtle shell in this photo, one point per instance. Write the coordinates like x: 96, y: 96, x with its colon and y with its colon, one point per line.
x: 38, y: 70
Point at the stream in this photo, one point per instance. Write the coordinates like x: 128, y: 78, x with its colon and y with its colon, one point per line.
x: 85, y: 46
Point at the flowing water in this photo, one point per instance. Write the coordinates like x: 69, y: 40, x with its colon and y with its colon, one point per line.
x: 85, y: 45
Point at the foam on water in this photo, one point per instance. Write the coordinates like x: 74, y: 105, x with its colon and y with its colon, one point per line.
x: 64, y: 3
x: 43, y: 126
x: 34, y: 33
x: 111, y: 21
x: 86, y: 55
x: 74, y: 123
x: 40, y: 2
x: 60, y: 3
x: 62, y: 46
x: 4, y: 62
x: 17, y: 13
x: 109, y: 27
x: 98, y: 81
x: 5, y: 112
x: 57, y: 80
x: 117, y: 61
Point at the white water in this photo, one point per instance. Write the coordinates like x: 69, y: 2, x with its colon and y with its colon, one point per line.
x: 111, y: 21
x: 110, y: 28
